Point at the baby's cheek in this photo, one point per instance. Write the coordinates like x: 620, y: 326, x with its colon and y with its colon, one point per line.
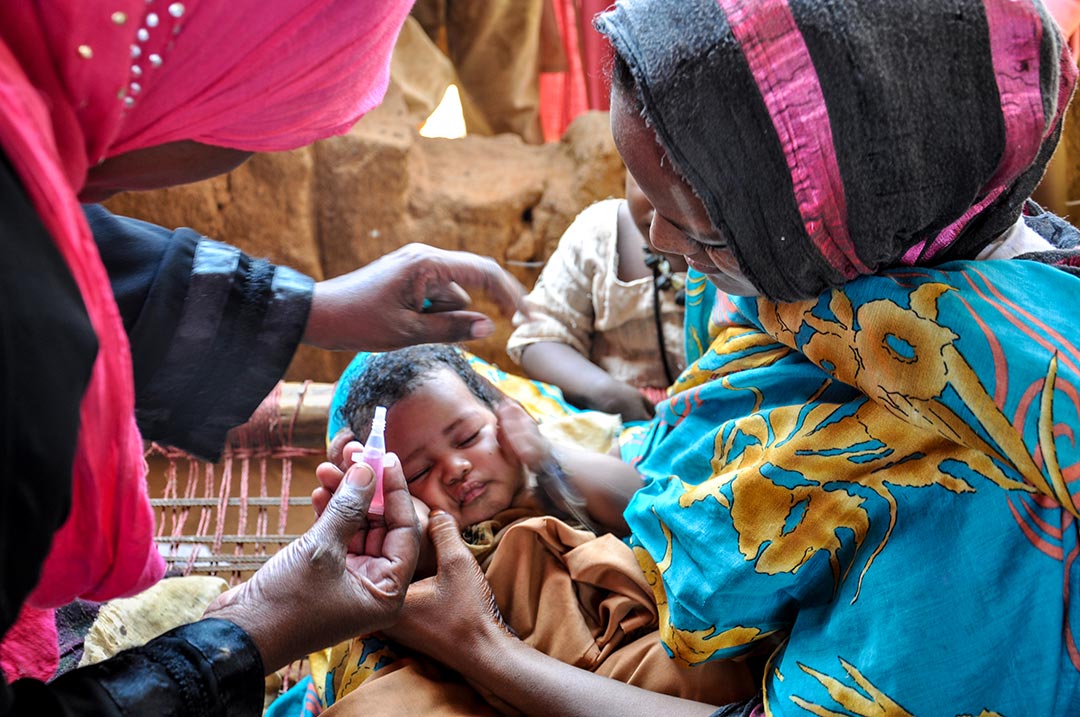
x: 423, y: 492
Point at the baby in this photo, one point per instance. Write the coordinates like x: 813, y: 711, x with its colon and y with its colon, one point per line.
x: 468, y: 450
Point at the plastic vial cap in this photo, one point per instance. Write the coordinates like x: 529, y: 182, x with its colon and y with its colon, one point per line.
x: 378, y: 421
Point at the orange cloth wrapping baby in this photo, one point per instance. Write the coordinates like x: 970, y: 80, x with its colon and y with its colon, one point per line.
x: 579, y: 598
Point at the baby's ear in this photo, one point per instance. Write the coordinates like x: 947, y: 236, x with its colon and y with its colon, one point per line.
x: 335, y: 452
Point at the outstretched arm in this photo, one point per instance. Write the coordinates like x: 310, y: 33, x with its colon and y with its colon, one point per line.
x: 414, y: 295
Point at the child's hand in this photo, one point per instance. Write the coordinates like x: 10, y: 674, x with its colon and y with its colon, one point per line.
x: 519, y: 435
x: 622, y: 398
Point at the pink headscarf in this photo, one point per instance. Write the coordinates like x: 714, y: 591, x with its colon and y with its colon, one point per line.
x: 84, y: 80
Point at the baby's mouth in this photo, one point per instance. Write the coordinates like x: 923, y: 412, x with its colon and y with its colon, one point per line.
x: 468, y: 492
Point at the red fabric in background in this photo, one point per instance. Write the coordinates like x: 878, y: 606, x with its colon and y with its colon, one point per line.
x: 595, y: 55
x: 583, y: 86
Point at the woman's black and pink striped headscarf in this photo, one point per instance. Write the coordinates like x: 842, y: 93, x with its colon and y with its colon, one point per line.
x: 833, y: 138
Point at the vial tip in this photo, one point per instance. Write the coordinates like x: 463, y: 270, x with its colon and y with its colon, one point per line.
x: 378, y: 421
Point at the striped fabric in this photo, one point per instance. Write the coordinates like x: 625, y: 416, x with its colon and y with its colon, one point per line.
x: 834, y: 139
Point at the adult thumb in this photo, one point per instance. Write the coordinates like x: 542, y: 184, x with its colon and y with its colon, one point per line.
x: 446, y: 536
x: 347, y: 511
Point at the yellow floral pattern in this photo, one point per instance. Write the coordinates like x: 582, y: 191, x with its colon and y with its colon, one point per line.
x: 802, y: 445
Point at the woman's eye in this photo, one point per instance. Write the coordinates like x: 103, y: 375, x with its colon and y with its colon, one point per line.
x: 708, y: 245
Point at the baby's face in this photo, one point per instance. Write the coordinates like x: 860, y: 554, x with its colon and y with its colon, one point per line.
x: 448, y: 444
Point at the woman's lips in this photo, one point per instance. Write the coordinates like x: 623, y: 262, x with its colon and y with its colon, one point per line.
x: 470, y: 492
x: 702, y: 264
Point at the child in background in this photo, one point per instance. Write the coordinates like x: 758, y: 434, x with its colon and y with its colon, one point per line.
x: 577, y: 595
x: 607, y: 314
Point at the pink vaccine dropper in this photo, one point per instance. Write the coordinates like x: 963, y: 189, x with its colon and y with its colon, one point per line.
x: 374, y: 450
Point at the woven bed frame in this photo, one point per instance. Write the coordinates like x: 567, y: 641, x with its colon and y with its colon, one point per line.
x: 228, y: 518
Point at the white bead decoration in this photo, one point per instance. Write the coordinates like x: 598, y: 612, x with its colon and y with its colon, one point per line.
x: 176, y: 9
x: 152, y: 20
x: 136, y: 71
x: 135, y: 51
x: 155, y: 60
x: 143, y: 34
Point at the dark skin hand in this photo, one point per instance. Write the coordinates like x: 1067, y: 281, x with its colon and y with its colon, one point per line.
x: 343, y: 577
x: 605, y: 482
x: 330, y: 474
x: 420, y: 294
x: 416, y: 294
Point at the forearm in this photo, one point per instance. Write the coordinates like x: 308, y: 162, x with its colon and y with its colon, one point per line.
x: 535, y: 683
x: 211, y: 329
x: 582, y: 382
x: 606, y: 483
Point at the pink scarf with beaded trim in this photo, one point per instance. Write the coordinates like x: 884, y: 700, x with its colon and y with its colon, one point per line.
x: 84, y: 80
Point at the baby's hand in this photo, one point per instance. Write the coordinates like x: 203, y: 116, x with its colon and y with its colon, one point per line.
x: 520, y: 436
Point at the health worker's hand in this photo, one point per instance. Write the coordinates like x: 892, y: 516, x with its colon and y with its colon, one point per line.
x: 339, y: 579
x: 414, y: 295
x: 454, y: 612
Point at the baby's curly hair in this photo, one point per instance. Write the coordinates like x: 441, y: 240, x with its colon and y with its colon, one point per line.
x: 389, y: 377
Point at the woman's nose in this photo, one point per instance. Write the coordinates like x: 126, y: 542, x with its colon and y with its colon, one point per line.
x: 666, y: 238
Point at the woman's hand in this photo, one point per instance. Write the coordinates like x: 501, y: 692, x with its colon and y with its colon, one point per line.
x: 417, y: 294
x: 339, y: 579
x: 341, y: 451
x: 519, y: 435
x: 453, y: 618
x: 454, y: 612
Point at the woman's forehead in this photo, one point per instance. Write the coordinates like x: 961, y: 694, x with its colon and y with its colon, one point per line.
x: 653, y: 171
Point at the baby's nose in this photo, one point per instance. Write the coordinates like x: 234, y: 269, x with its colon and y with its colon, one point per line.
x: 457, y: 468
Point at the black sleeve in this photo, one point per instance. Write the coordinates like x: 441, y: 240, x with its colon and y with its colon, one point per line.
x: 207, y: 669
x: 47, y: 350
x: 212, y: 330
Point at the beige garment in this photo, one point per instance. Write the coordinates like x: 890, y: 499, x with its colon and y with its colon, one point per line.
x: 580, y: 301
x: 498, y: 49
x: 130, y: 622
x: 579, y: 598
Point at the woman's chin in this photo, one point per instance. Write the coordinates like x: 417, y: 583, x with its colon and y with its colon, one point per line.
x: 732, y: 285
